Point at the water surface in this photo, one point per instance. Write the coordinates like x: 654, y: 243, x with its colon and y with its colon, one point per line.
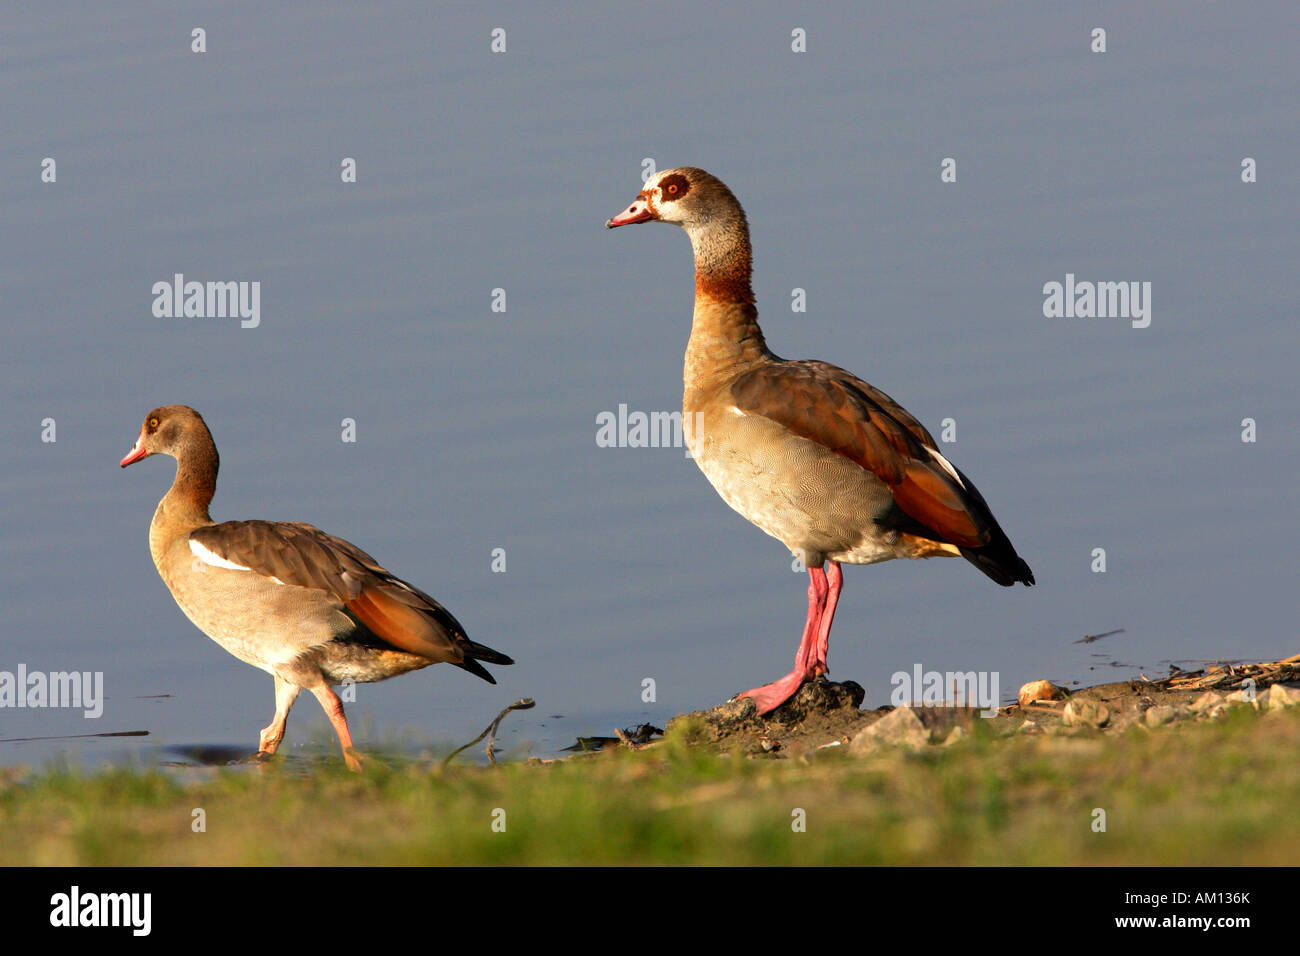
x: 476, y: 429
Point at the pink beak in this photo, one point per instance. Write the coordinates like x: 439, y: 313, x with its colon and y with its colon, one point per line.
x: 639, y: 211
x: 136, y: 453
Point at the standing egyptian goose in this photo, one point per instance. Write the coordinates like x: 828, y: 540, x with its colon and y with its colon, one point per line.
x: 309, y: 608
x: 813, y: 455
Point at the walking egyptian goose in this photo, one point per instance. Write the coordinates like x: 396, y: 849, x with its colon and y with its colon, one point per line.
x: 816, y: 457
x: 309, y: 608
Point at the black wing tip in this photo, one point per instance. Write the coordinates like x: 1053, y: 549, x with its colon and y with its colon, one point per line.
x: 477, y: 652
x: 477, y: 669
x: 486, y: 654
x: 1002, y: 569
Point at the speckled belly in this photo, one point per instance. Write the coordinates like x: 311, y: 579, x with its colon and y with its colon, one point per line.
x: 258, y: 621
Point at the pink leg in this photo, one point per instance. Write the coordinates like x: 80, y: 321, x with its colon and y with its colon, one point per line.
x: 285, y: 693
x: 773, y: 695
x: 835, y: 578
x: 334, y: 711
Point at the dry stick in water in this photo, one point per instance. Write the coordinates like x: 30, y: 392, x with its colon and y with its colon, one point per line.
x: 524, y: 703
x: 1089, y: 638
x: 112, y: 733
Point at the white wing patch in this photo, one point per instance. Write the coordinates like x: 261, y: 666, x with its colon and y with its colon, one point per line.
x: 947, y: 466
x: 214, y: 559
x: 217, y: 561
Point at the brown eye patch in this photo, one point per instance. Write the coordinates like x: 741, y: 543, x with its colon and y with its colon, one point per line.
x: 674, y: 187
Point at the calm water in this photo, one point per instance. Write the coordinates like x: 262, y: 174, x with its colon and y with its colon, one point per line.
x: 476, y: 428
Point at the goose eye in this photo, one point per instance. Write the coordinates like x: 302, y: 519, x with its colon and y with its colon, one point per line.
x: 153, y: 423
x: 674, y: 187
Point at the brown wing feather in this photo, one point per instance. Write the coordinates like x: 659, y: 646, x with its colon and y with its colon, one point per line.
x: 296, y: 553
x: 302, y: 555
x: 834, y: 408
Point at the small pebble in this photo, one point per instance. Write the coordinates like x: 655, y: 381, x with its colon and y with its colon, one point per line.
x: 1085, y: 713
x: 1040, y: 690
x: 1159, y: 715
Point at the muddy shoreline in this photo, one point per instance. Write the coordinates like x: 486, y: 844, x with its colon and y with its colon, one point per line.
x: 826, y: 716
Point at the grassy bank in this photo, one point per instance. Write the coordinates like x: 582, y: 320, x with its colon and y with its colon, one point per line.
x: 1221, y: 792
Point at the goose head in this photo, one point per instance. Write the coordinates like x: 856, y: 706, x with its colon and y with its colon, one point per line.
x: 686, y: 196
x: 167, y: 430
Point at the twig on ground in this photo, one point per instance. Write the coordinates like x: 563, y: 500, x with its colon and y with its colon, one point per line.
x: 1231, y: 676
x: 524, y: 703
